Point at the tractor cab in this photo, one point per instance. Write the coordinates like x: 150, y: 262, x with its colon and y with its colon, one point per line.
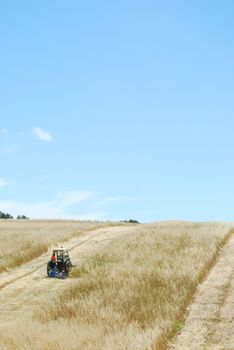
x: 60, y: 254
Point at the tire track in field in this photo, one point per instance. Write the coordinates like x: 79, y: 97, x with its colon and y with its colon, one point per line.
x: 17, y: 270
x: 210, y: 321
x: 27, y: 287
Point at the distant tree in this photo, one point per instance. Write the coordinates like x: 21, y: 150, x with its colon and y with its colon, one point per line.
x: 131, y: 221
x: 5, y: 215
x: 22, y: 217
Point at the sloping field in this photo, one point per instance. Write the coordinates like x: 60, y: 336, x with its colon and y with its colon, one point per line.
x: 209, y: 324
x: 129, y: 291
x: 23, y: 240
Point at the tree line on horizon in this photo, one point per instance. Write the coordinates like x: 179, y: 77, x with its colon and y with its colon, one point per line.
x: 9, y: 216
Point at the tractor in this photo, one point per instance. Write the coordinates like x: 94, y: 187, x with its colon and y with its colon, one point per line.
x: 60, y: 264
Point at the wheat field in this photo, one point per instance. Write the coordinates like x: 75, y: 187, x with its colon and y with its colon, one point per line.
x: 129, y: 295
x: 25, y: 240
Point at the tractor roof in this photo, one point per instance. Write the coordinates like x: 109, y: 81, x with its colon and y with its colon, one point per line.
x: 60, y: 249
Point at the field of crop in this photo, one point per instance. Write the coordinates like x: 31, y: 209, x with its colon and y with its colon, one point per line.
x: 25, y: 240
x: 131, y: 294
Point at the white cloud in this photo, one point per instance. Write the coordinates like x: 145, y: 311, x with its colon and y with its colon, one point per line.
x: 117, y: 199
x: 76, y: 205
x: 3, y: 183
x: 3, y: 131
x: 69, y: 198
x: 57, y: 208
x: 42, y: 134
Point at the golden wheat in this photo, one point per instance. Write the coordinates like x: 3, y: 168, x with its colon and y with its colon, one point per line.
x: 24, y: 240
x: 129, y: 296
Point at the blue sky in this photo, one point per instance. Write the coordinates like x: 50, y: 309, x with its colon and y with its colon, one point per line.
x: 117, y: 109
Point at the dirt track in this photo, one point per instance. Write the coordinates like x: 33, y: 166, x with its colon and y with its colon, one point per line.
x: 25, y: 287
x: 210, y: 321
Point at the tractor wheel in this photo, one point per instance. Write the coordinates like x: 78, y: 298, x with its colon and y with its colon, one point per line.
x: 67, y: 267
x: 48, y: 269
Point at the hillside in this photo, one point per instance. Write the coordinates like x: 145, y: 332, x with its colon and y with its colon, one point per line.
x: 130, y: 289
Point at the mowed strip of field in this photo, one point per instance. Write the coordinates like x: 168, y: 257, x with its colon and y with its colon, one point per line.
x: 24, y: 240
x: 130, y: 294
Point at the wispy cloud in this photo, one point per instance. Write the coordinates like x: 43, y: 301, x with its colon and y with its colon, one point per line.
x: 3, y: 131
x: 76, y: 205
x: 69, y: 198
x: 117, y: 199
x: 57, y: 208
x: 3, y: 183
x: 42, y: 134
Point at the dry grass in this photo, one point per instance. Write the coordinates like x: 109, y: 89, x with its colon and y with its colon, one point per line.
x: 25, y: 240
x: 129, y: 296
